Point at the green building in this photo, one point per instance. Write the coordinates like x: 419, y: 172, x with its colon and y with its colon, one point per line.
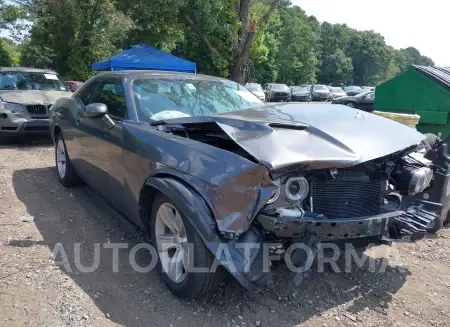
x: 420, y: 90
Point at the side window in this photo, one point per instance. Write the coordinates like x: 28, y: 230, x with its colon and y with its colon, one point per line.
x: 86, y: 92
x: 111, y: 93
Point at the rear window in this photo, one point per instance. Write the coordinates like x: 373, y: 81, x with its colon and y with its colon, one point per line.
x: 13, y: 80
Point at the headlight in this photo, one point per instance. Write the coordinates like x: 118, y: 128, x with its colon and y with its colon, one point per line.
x: 420, y: 179
x: 297, y: 188
x: 274, y: 197
x: 14, y: 107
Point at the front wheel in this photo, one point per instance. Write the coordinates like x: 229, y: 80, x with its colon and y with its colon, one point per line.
x: 66, y: 174
x: 179, y: 250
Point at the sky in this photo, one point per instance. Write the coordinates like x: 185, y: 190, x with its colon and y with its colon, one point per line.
x: 418, y: 23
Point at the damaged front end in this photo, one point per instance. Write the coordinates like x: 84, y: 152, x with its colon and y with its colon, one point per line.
x: 296, y: 193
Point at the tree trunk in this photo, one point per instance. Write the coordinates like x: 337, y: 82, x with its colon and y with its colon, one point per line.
x: 247, y: 33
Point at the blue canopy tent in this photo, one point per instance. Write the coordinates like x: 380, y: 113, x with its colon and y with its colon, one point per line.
x: 141, y: 56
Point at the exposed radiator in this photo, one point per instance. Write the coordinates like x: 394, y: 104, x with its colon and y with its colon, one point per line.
x: 347, y: 199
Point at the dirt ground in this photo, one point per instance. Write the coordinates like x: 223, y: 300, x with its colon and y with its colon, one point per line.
x: 36, y: 213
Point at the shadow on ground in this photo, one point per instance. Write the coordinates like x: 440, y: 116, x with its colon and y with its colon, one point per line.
x: 24, y: 143
x: 77, y: 215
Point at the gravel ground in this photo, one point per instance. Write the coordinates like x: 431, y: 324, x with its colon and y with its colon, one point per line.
x: 37, y: 290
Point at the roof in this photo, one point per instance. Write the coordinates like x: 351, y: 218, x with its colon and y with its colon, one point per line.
x: 141, y: 56
x: 440, y: 75
x: 135, y: 74
x: 26, y: 69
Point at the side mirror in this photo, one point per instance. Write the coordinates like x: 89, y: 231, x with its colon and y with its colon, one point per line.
x: 95, y: 110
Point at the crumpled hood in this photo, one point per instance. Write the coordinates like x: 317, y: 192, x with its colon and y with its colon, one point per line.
x: 33, y: 96
x: 310, y: 136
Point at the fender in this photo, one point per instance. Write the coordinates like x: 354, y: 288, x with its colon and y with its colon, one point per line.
x: 250, y: 274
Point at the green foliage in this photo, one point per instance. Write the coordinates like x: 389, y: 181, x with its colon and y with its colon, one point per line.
x: 5, y: 58
x: 258, y: 40
x: 9, y: 53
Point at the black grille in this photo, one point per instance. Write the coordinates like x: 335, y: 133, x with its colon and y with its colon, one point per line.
x: 39, y: 109
x: 36, y: 128
x: 346, y: 199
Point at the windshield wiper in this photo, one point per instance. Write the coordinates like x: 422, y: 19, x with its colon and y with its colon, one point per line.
x: 157, y: 122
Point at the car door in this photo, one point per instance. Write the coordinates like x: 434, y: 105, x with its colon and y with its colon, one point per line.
x: 100, y: 142
x: 72, y: 133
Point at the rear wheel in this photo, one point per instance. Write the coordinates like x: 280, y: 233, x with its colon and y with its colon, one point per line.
x: 177, y: 244
x: 64, y: 169
x: 350, y: 104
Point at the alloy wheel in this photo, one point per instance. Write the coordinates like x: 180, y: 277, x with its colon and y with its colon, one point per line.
x: 171, y: 242
x: 61, y: 158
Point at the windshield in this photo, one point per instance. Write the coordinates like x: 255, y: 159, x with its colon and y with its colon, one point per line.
x: 279, y: 87
x: 320, y: 87
x: 300, y: 88
x: 171, y: 98
x: 254, y: 88
x: 31, y: 81
x: 337, y: 89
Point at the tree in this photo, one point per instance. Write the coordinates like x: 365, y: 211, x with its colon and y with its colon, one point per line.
x: 369, y: 56
x: 297, y: 62
x: 259, y: 40
x: 69, y: 35
x: 5, y: 58
x: 336, y: 66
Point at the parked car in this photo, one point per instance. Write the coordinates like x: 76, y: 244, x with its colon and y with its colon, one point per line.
x: 257, y: 90
x: 278, y: 92
x: 337, y: 92
x: 363, y: 101
x: 25, y: 96
x: 352, y: 90
x: 73, y: 85
x: 300, y: 93
x: 320, y: 93
x: 266, y: 85
x: 199, y: 160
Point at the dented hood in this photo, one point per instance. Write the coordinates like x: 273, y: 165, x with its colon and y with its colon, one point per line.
x: 310, y: 136
x: 26, y: 97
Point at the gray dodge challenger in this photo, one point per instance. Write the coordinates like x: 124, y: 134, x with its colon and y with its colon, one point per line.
x: 205, y: 168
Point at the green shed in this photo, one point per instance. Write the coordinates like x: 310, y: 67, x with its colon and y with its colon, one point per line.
x: 420, y: 90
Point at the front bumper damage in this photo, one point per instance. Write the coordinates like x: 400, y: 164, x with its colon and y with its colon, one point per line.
x: 409, y: 225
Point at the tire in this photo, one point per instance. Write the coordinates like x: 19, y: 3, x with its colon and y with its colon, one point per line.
x: 350, y: 104
x: 64, y: 169
x: 190, y: 284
